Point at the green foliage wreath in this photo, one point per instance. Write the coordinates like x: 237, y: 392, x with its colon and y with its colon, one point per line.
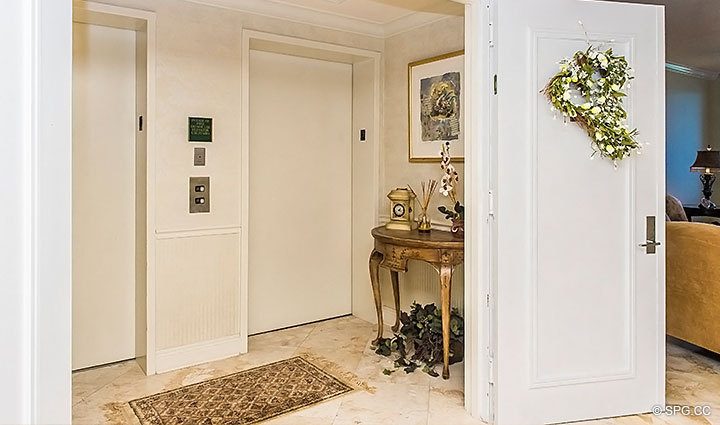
x: 597, y: 79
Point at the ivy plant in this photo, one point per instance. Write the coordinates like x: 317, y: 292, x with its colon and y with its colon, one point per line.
x: 419, y: 342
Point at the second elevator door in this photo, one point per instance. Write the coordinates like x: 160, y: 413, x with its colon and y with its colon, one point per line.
x: 300, y: 190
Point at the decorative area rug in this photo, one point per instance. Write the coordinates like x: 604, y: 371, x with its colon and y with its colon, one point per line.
x: 243, y: 398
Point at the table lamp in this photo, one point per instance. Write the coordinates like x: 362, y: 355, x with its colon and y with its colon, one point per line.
x: 707, y: 163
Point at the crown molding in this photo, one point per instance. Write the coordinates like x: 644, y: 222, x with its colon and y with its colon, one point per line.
x: 326, y: 19
x: 410, y: 22
x: 692, y: 71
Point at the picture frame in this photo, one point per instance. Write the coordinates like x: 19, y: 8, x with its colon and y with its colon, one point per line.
x: 435, y: 107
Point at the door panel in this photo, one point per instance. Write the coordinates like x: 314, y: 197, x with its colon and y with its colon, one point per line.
x: 300, y: 190
x: 580, y: 306
x: 103, y: 195
x: 564, y: 294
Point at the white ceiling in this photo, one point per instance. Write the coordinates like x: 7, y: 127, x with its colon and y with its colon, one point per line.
x: 364, y: 10
x: 378, y: 18
x: 692, y: 32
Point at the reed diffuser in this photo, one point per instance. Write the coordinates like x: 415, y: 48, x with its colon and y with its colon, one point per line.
x: 428, y: 190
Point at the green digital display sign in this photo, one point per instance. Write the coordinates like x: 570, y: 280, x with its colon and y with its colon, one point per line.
x: 199, y: 129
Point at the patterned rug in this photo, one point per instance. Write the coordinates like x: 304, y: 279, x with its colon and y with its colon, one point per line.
x: 243, y: 398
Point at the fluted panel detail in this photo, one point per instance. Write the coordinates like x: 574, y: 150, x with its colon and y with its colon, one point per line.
x: 421, y: 284
x: 197, y: 289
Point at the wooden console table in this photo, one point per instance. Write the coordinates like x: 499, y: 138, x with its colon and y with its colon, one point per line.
x: 393, y: 249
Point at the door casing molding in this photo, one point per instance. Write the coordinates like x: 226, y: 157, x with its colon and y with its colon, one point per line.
x: 479, y: 219
x: 257, y: 40
x: 144, y: 22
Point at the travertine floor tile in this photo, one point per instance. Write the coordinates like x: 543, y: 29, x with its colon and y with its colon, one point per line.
x: 100, y: 395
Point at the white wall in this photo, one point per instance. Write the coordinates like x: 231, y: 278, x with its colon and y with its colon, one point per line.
x: 35, y: 227
x: 421, y: 283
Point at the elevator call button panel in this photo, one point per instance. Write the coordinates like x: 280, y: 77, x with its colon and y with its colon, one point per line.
x: 199, y: 189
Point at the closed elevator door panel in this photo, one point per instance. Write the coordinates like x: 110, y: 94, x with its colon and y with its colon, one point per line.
x: 103, y: 195
x: 300, y: 190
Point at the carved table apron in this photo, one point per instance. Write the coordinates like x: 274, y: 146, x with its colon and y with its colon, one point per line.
x: 393, y: 249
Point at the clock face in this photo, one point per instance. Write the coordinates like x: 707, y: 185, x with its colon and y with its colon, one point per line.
x: 399, y: 210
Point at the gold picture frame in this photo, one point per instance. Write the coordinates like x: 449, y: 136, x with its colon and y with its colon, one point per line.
x: 425, y: 130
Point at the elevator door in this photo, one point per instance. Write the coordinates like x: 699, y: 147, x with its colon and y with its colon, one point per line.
x: 103, y: 195
x: 300, y: 190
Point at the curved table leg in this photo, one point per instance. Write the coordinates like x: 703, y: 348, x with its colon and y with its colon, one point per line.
x: 396, y: 294
x: 446, y: 273
x: 375, y: 258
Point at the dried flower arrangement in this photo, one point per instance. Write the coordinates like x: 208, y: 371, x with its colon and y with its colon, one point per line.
x: 428, y: 190
x: 448, y: 188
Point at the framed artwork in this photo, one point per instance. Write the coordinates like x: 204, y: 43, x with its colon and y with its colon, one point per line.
x: 435, y: 107
x: 199, y: 129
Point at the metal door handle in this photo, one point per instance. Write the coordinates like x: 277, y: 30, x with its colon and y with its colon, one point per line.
x: 650, y: 244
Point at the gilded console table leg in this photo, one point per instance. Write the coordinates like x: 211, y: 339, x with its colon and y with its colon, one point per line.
x: 375, y: 258
x: 446, y: 273
x: 396, y: 294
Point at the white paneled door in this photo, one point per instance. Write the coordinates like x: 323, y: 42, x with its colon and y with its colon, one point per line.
x: 579, y: 304
x: 300, y: 190
x: 103, y: 195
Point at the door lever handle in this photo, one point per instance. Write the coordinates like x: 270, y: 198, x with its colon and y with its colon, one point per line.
x: 650, y: 244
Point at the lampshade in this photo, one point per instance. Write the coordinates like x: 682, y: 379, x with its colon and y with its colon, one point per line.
x: 707, y: 161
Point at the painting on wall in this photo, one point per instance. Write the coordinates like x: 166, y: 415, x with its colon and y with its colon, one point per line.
x: 435, y: 107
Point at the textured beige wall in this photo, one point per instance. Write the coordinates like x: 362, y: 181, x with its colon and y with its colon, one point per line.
x: 421, y: 283
x: 199, y: 73
x: 431, y: 40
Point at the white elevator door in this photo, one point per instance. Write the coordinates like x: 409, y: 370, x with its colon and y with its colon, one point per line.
x: 300, y: 190
x: 103, y: 195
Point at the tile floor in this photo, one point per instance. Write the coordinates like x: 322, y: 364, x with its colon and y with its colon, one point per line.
x: 100, y: 395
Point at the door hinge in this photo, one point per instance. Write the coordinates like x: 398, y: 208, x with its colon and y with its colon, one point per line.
x: 491, y: 34
x: 487, y: 300
x: 140, y: 123
x: 491, y: 205
x: 491, y: 375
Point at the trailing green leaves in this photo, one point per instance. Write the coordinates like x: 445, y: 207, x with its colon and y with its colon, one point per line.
x: 418, y: 344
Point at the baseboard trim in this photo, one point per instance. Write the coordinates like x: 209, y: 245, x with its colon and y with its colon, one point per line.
x: 201, y: 352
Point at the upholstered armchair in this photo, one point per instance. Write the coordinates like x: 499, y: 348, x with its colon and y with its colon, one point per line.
x: 693, y: 283
x: 674, y: 210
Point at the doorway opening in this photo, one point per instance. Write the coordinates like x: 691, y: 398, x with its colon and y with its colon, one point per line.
x: 692, y: 102
x: 112, y: 94
x: 319, y: 179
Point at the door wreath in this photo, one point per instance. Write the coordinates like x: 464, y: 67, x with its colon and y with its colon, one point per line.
x: 597, y: 78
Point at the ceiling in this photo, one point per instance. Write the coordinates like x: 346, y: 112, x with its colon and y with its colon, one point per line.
x: 380, y: 18
x: 692, y: 33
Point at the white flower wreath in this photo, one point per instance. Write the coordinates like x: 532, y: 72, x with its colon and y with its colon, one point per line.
x: 598, y: 79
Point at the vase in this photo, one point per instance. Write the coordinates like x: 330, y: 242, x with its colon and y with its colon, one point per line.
x: 458, y: 228
x: 424, y: 225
